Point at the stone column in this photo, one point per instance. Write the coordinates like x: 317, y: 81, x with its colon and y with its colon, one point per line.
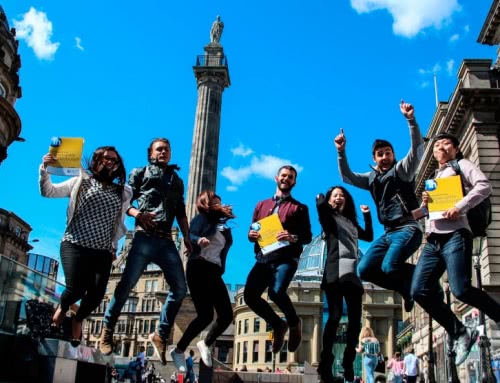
x: 315, y: 342
x: 212, y: 75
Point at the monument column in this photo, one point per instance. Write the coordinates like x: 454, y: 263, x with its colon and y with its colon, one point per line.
x: 212, y: 76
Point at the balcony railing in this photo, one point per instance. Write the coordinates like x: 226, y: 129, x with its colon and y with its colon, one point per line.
x: 18, y: 284
x: 211, y: 61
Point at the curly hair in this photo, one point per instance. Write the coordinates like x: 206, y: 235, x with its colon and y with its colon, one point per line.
x: 205, y: 205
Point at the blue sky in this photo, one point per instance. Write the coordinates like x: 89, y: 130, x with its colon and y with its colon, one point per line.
x: 300, y: 71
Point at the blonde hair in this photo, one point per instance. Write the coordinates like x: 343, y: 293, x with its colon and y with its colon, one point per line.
x: 366, y: 332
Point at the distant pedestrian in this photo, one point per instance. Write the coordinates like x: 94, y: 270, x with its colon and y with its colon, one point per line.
x: 190, y: 376
x: 370, y: 347
x: 411, y: 367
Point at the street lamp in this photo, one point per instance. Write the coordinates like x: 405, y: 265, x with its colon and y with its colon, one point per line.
x: 487, y: 375
x: 452, y: 368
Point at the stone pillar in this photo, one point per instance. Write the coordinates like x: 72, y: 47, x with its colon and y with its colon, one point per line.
x: 212, y: 75
x: 315, y: 342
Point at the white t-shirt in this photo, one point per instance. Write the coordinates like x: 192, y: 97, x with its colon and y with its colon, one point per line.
x: 411, y: 365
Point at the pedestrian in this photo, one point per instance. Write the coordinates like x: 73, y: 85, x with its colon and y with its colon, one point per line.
x: 275, y: 270
x: 449, y: 248
x: 411, y: 367
x: 370, y: 347
x: 211, y: 239
x: 396, y: 367
x: 337, y: 216
x: 95, y: 223
x: 190, y: 376
x: 159, y: 193
x: 392, y: 186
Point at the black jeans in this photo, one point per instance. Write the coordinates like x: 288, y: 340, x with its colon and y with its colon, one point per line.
x: 335, y: 295
x: 86, y: 272
x: 208, y: 292
x: 275, y: 277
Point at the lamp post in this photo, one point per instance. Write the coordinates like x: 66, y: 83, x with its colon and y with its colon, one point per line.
x: 430, y: 354
x: 487, y: 375
x: 452, y: 368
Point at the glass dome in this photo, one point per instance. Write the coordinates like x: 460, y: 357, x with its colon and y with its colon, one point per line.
x: 312, y: 261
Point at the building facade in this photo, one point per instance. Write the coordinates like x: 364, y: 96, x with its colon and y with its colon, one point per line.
x: 10, y: 91
x: 472, y: 114
x: 14, y: 237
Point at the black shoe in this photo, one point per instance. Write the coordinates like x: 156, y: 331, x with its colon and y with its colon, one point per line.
x: 408, y: 305
x: 325, y: 372
x: 279, y: 337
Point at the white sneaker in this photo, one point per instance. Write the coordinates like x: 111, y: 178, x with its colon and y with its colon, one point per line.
x: 205, y: 353
x: 179, y: 360
x: 464, y: 344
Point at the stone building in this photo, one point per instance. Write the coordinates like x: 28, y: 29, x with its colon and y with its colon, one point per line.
x: 14, y: 236
x: 10, y: 91
x: 472, y: 113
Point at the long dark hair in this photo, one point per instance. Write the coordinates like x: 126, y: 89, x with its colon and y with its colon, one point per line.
x: 219, y: 212
x: 95, y: 164
x: 349, y: 210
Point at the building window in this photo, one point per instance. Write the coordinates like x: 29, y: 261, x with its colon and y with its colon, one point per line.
x: 2, y: 90
x: 269, y: 351
x: 17, y: 231
x: 145, y: 327
x: 245, y: 352
x: 238, y: 353
x: 130, y: 305
x: 223, y: 352
x: 151, y: 285
x: 239, y: 327
x: 255, y: 353
x: 245, y: 326
x: 269, y: 327
x: 256, y: 324
x: 283, y: 352
x: 121, y: 326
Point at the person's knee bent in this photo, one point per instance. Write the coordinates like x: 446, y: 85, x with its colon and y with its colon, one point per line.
x: 250, y: 297
x: 179, y: 292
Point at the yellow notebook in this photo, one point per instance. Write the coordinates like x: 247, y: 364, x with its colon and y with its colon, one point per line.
x: 68, y: 152
x: 444, y: 193
x: 269, y: 227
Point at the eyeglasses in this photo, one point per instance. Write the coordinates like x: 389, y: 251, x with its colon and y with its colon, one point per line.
x: 112, y: 160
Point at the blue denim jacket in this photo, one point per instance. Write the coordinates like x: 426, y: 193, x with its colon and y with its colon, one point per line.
x: 159, y: 191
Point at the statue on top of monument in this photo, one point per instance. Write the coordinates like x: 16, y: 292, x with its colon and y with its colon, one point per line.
x: 216, y: 30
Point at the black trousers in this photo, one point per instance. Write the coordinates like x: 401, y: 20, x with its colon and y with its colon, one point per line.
x: 335, y: 294
x: 208, y: 292
x: 86, y: 272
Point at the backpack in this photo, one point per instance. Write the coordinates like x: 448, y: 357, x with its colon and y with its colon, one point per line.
x: 479, y: 216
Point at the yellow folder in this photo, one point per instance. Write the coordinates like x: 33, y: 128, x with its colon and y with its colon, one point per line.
x: 444, y: 193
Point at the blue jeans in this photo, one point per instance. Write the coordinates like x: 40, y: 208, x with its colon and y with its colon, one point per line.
x: 148, y: 249
x: 370, y: 362
x: 385, y: 261
x: 275, y: 277
x: 452, y: 253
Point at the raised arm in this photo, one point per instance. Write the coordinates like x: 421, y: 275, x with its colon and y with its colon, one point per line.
x: 407, y: 167
x: 47, y: 188
x: 366, y: 234
x: 359, y: 180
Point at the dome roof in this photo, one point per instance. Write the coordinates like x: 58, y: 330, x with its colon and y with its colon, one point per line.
x: 312, y: 261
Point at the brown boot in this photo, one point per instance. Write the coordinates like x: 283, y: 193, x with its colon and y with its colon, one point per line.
x: 106, y: 341
x: 159, y: 345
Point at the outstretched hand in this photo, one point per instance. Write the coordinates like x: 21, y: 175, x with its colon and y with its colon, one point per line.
x: 340, y: 141
x: 364, y: 208
x: 407, y: 110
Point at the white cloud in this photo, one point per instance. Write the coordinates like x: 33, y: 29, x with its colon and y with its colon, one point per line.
x: 36, y: 30
x: 436, y: 68
x: 411, y: 16
x: 78, y: 42
x: 264, y: 166
x: 242, y: 151
x: 454, y: 38
x: 450, y: 67
x: 467, y: 28
x: 424, y: 84
x: 231, y: 188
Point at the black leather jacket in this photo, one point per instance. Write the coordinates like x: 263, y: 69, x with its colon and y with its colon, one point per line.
x: 160, y: 192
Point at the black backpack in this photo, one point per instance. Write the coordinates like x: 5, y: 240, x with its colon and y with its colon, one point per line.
x: 479, y: 216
